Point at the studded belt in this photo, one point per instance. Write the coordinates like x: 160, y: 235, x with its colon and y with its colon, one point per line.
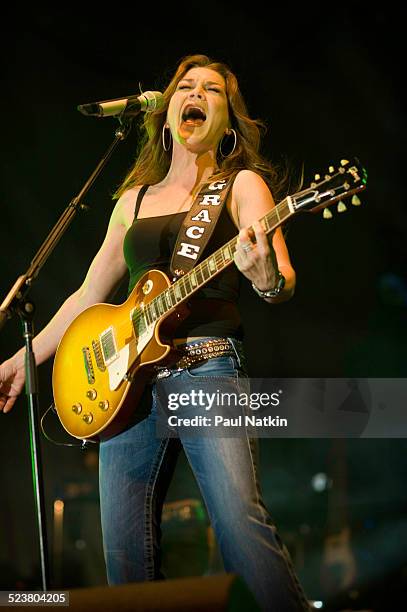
x: 198, y: 352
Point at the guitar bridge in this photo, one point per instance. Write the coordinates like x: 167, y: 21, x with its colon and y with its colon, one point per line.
x: 90, y: 373
x: 97, y: 351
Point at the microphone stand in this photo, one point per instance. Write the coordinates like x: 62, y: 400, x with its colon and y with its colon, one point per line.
x: 17, y: 302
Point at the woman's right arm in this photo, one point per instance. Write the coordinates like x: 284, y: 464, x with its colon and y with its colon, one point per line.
x: 105, y: 274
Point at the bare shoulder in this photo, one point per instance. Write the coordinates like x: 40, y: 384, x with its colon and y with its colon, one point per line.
x: 251, y: 197
x: 247, y: 180
x: 123, y: 211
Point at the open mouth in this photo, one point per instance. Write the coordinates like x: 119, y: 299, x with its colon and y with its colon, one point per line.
x: 193, y: 115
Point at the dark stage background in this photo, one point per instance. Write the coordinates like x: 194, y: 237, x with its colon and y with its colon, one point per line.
x: 328, y: 83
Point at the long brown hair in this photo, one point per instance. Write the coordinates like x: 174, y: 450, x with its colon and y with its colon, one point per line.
x: 153, y: 162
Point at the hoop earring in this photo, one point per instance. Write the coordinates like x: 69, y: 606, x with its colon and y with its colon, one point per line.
x: 232, y: 131
x: 166, y: 145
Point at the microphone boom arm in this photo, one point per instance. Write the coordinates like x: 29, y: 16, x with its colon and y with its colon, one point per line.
x: 24, y: 282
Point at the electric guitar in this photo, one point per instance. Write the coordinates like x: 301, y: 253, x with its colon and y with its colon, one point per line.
x: 108, y: 352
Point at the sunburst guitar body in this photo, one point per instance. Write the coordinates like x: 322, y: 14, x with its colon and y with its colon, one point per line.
x: 106, y: 356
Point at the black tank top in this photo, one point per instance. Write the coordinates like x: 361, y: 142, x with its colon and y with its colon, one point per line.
x: 149, y: 243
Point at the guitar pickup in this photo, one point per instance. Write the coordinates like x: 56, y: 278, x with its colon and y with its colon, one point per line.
x: 90, y: 373
x: 108, y: 344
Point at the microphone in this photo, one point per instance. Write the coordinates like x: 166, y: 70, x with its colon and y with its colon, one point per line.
x: 147, y: 102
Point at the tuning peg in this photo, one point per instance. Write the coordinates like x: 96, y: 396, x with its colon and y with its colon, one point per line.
x: 331, y: 169
x: 341, y: 207
x: 327, y: 214
x: 356, y: 201
x: 317, y: 177
x: 344, y: 162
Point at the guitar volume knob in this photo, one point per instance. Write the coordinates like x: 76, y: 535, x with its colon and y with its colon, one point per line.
x: 88, y: 418
x: 77, y: 408
x: 104, y: 404
x: 91, y: 394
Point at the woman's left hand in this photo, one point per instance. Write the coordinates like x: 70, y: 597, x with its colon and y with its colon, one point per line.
x: 255, y: 257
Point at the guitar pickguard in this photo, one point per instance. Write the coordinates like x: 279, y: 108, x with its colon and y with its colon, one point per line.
x: 126, y: 356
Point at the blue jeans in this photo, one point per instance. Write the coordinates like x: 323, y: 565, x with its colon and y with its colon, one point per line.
x: 135, y: 471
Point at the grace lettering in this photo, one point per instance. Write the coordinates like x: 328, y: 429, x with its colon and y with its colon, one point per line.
x: 217, y: 185
x: 214, y: 200
x: 203, y: 215
x: 188, y: 250
x: 195, y: 232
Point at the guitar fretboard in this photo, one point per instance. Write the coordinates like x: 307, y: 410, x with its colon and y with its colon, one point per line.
x: 203, y: 272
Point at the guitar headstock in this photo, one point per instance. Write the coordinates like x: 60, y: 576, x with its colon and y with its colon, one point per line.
x: 337, y: 184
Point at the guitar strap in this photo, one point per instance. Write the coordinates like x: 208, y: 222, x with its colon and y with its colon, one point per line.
x: 198, y: 226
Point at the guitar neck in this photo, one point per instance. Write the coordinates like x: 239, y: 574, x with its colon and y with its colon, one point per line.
x: 202, y: 273
x: 348, y: 179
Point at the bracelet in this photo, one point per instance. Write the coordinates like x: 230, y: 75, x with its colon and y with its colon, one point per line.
x: 271, y: 293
